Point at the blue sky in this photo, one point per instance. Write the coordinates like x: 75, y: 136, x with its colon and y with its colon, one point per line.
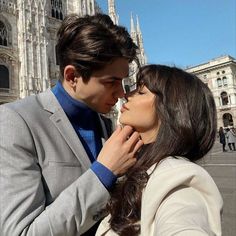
x: 182, y: 32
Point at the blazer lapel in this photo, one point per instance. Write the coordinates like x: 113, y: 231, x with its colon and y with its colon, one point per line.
x: 60, y: 120
x: 105, y: 135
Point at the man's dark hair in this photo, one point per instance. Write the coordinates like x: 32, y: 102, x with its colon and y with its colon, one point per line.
x: 91, y: 42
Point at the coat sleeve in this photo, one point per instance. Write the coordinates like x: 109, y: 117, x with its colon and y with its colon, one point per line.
x: 182, y: 213
x: 22, y: 200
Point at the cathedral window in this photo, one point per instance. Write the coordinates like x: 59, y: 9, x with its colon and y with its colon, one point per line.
x: 3, y: 34
x: 4, y: 77
x: 57, y: 9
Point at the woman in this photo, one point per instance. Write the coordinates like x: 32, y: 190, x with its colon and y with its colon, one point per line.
x: 165, y: 193
x: 230, y: 135
x: 222, y: 138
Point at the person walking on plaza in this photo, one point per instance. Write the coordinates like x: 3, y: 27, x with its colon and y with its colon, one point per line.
x: 53, y: 181
x: 222, y: 138
x: 231, y: 138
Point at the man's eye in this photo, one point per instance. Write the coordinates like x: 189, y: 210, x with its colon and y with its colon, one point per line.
x: 111, y: 82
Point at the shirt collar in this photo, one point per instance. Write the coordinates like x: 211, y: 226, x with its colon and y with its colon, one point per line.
x: 72, y: 107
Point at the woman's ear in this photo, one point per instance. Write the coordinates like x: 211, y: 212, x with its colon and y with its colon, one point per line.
x: 71, y: 76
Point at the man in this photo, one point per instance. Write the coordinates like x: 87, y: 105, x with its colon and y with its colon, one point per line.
x: 48, y: 141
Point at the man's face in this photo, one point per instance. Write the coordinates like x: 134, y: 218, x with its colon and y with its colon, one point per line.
x: 102, y: 90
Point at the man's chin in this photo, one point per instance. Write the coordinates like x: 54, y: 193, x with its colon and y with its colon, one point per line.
x: 104, y: 111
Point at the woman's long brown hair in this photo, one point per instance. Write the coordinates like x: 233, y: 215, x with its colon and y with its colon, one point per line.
x: 186, y: 110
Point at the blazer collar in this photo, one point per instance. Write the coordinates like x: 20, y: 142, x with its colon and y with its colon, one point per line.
x: 62, y: 123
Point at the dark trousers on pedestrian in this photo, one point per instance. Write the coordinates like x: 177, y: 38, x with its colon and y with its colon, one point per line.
x: 223, y: 146
x: 233, y: 146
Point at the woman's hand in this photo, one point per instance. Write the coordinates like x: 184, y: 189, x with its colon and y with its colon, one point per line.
x: 118, y: 152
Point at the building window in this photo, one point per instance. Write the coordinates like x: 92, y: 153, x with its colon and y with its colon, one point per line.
x: 219, y: 82
x: 225, y: 83
x: 57, y: 10
x: 3, y: 34
x: 223, y: 71
x: 4, y: 77
x: 228, y: 120
x: 218, y: 73
x: 224, y: 98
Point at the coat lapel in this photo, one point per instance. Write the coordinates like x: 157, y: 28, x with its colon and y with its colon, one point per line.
x: 104, y: 130
x: 60, y: 120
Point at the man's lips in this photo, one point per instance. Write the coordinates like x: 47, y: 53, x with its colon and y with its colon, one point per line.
x: 112, y: 105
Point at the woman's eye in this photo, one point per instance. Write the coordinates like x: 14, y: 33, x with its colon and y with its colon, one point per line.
x: 140, y: 92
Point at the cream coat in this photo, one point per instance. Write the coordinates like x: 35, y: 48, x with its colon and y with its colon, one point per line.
x: 180, y: 199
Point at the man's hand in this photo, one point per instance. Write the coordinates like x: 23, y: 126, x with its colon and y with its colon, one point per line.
x: 118, y: 153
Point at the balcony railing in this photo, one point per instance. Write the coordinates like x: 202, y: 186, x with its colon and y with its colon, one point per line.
x: 226, y: 107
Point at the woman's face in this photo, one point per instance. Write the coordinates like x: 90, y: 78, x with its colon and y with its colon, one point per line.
x: 139, y: 112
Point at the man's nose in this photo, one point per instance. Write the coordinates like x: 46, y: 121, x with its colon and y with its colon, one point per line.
x: 120, y: 93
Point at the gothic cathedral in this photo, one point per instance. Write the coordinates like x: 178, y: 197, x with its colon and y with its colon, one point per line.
x: 28, y: 28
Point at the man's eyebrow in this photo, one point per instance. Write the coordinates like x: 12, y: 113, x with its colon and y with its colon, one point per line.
x: 114, y: 78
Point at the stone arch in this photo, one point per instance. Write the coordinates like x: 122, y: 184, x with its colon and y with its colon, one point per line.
x: 4, y: 77
x: 10, y: 81
x: 5, y: 23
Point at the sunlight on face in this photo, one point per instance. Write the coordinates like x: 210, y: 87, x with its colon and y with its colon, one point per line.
x: 139, y: 112
x: 104, y: 87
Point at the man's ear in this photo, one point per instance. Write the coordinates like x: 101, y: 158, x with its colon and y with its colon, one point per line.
x: 71, y: 75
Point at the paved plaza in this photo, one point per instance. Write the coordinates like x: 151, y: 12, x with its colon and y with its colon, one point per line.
x: 222, y: 167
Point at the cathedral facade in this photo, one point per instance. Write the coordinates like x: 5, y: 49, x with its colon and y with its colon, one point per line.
x: 28, y: 36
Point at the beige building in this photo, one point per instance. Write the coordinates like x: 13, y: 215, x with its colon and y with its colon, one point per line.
x: 28, y: 28
x: 220, y: 75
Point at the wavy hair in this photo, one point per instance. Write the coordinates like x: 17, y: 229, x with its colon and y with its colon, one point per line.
x: 91, y: 42
x: 186, y: 110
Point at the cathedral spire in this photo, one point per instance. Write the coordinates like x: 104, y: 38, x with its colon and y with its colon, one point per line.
x: 112, y: 12
x: 139, y: 34
x: 143, y: 58
x: 132, y: 29
x: 138, y: 26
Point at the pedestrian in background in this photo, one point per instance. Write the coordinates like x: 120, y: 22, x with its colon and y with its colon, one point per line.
x: 222, y: 138
x: 231, y: 136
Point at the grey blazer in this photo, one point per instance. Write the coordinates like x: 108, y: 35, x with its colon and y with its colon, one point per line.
x: 46, y: 186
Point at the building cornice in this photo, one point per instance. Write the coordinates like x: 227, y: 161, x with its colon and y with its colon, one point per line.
x: 203, y: 68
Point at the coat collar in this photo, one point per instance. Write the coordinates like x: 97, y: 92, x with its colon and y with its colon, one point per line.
x: 62, y: 123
